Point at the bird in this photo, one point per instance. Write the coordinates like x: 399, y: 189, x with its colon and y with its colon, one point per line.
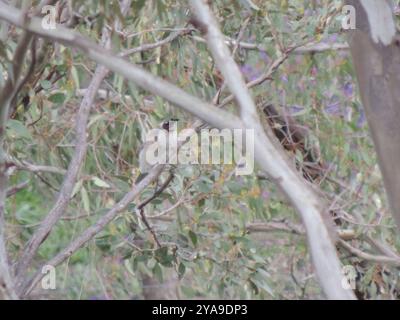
x: 144, y: 165
x: 292, y: 136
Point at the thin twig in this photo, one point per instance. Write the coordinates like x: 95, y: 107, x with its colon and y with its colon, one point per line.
x: 213, y: 115
x: 141, y: 206
x: 367, y: 256
x: 316, y: 47
x: 273, y: 160
x: 261, y: 79
x: 13, y: 190
x: 93, y: 230
x: 155, y: 45
x: 8, y: 92
x: 27, y: 166
x: 74, y: 168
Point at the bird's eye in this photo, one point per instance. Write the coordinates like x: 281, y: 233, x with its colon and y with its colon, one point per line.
x: 165, y: 125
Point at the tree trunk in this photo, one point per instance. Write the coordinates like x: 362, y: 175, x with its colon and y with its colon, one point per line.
x: 375, y: 47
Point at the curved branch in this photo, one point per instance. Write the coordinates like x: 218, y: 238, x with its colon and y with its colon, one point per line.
x: 207, y: 112
x: 93, y: 230
x: 274, y: 162
x: 395, y: 261
x: 316, y: 47
x: 151, y: 46
x: 74, y: 168
x: 268, y: 154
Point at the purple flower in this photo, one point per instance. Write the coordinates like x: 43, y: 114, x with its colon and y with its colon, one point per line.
x: 333, y: 108
x: 246, y: 68
x: 348, y: 89
x: 295, y: 109
x: 265, y: 195
x: 284, y: 78
x: 332, y: 38
x: 249, y: 72
x: 264, y: 56
x: 361, y: 119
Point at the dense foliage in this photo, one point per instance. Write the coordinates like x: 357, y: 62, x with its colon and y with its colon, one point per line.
x: 224, y: 236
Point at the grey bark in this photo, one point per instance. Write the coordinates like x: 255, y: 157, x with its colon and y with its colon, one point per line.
x: 376, y: 54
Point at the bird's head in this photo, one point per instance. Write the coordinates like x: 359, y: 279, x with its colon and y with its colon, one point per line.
x: 166, y: 125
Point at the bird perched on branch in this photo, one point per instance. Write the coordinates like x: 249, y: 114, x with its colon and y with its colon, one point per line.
x: 144, y: 165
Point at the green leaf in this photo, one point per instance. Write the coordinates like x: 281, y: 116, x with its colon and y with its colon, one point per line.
x: 138, y: 5
x: 77, y: 187
x: 57, y: 98
x: 181, y: 270
x: 129, y: 267
x: 85, y: 200
x: 260, y: 279
x: 103, y: 242
x: 16, y: 129
x: 45, y: 84
x: 100, y: 183
x: 193, y: 237
x: 163, y: 257
x: 75, y: 77
x: 188, y: 291
x: 157, y: 271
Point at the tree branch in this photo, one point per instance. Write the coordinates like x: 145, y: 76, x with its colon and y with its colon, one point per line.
x: 211, y: 114
x: 93, y: 230
x: 270, y: 156
x: 274, y: 162
x: 151, y: 46
x: 74, y: 168
x: 395, y: 261
x: 318, y: 47
x: 8, y: 92
x: 7, y: 290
